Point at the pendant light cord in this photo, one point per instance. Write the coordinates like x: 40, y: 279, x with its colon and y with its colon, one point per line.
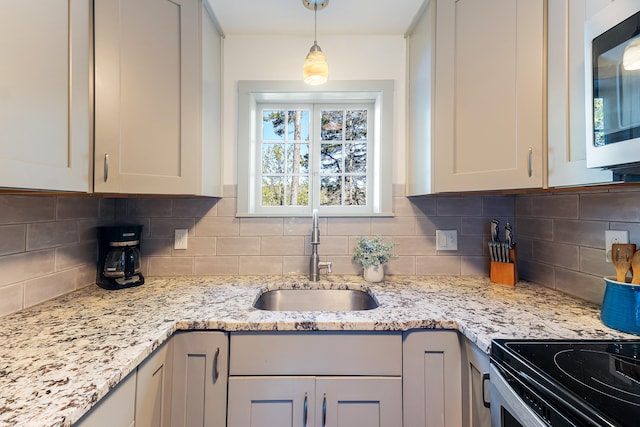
x: 315, y: 23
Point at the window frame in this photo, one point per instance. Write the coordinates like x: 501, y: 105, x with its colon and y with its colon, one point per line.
x: 252, y: 94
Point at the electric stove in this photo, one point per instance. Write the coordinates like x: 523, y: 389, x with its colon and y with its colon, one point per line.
x: 591, y: 383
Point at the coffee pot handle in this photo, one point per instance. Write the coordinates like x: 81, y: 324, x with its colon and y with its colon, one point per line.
x: 129, y: 262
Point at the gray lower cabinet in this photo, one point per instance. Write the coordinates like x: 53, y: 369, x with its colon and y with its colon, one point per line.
x: 315, y: 401
x: 153, y: 390
x: 142, y: 399
x: 199, y: 387
x: 314, y: 379
x: 116, y: 409
x: 475, y: 386
x: 432, y: 392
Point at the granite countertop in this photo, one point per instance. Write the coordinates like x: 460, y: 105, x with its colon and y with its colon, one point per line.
x: 59, y: 358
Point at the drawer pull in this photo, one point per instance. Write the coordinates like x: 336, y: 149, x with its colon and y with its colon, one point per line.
x: 324, y: 410
x: 530, y: 162
x: 485, y: 378
x: 304, y: 409
x: 216, y: 371
x: 106, y: 167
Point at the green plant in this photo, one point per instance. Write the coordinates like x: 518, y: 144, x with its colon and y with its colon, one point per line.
x: 373, y: 251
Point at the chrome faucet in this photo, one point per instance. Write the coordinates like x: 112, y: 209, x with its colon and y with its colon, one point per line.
x: 315, y: 265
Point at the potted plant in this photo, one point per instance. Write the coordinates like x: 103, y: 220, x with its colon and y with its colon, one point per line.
x: 372, y: 253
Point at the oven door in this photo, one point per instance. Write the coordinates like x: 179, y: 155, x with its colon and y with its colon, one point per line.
x: 507, y: 408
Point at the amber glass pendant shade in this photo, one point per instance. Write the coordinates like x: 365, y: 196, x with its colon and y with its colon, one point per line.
x: 631, y: 57
x: 316, y: 69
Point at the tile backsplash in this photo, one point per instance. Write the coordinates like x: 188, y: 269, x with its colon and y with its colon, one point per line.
x: 561, y: 240
x: 48, y: 243
x: 220, y: 243
x: 47, y: 246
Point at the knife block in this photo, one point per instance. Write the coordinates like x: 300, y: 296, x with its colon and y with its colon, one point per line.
x: 505, y: 273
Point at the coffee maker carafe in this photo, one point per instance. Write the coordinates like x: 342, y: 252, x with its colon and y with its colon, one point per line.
x: 119, y: 257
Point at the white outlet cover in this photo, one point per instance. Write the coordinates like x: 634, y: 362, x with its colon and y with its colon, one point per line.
x: 611, y: 237
x: 446, y: 240
x: 180, y: 241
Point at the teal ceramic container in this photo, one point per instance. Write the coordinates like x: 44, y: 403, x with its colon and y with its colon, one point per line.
x: 621, y: 306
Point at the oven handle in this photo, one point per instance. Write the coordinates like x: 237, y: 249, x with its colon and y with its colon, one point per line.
x: 485, y: 379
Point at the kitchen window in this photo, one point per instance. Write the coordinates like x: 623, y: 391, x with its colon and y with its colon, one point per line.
x: 314, y: 149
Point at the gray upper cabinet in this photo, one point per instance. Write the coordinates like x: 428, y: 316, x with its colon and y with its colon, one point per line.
x: 566, y: 93
x: 476, y: 96
x: 157, y: 98
x: 44, y: 95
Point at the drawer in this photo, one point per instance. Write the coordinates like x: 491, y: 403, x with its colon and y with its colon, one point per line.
x: 315, y: 353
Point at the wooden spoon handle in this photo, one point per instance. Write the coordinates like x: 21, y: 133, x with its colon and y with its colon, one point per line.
x: 621, y: 254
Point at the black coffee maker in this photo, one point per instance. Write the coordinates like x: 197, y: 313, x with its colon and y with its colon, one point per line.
x: 119, y: 257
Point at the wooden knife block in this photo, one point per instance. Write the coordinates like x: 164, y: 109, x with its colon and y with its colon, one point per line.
x: 505, y: 273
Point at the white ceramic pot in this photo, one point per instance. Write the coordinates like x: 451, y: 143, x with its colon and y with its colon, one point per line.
x: 374, y: 273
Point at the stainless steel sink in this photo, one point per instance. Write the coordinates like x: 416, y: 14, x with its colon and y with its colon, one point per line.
x: 315, y: 300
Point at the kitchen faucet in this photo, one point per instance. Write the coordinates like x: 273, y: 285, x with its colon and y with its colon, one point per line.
x: 315, y: 265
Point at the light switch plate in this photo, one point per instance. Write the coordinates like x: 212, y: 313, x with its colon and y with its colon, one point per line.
x: 447, y: 240
x: 180, y: 241
x: 614, y: 236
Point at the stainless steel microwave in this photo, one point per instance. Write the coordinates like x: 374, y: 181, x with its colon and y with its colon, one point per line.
x: 612, y: 66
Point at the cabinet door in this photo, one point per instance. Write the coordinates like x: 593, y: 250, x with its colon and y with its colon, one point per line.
x: 44, y: 95
x: 475, y: 371
x: 432, y: 385
x: 488, y: 114
x: 200, y: 370
x: 566, y: 93
x: 147, y: 80
x: 116, y: 409
x: 153, y: 393
x: 359, y: 401
x: 271, y: 402
x: 420, y: 75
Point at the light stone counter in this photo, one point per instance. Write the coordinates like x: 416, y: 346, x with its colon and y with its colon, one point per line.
x: 59, y: 358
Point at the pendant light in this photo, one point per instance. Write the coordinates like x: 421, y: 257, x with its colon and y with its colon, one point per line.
x: 316, y: 69
x: 631, y: 57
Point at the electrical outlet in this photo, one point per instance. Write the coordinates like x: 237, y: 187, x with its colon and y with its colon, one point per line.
x: 180, y: 241
x: 447, y: 240
x: 614, y: 236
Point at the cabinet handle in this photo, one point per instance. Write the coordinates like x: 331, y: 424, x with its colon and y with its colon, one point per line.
x: 216, y: 372
x: 106, y: 167
x: 324, y: 410
x: 304, y: 410
x: 485, y: 378
x: 530, y: 162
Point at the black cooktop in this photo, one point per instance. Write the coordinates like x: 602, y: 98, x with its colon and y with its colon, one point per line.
x: 598, y: 381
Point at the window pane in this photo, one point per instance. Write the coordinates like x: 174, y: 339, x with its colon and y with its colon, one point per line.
x: 272, y: 158
x: 298, y: 125
x: 330, y: 158
x: 273, y: 125
x: 297, y: 191
x: 297, y: 158
x: 355, y: 189
x: 272, y: 191
x: 355, y: 158
x: 331, y: 191
x: 356, y: 128
x: 332, y: 121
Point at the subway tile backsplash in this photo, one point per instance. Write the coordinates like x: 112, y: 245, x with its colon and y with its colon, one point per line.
x: 47, y: 246
x: 48, y: 243
x: 561, y: 240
